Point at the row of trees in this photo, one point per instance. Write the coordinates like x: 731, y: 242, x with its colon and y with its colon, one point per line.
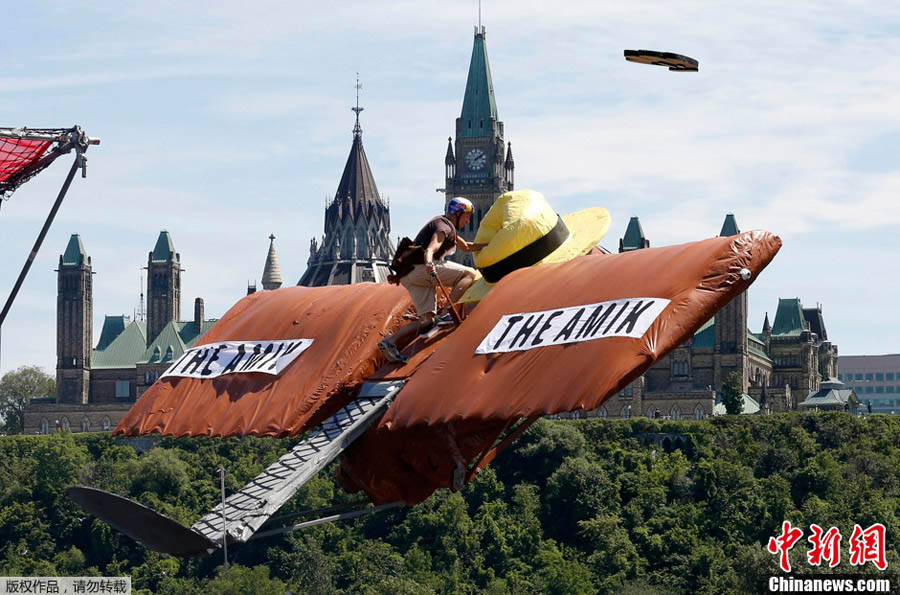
x: 589, y: 506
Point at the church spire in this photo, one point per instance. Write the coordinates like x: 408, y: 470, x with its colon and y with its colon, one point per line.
x: 479, y: 172
x: 271, y: 278
x: 729, y: 227
x: 356, y: 246
x: 74, y: 253
x: 357, y: 130
x: 510, y: 167
x: 479, y: 106
x: 357, y: 194
x: 634, y: 238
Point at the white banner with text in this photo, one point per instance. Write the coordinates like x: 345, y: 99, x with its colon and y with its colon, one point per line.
x: 529, y: 330
x: 237, y: 357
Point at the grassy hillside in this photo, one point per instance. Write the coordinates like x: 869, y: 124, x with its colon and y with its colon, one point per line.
x: 591, y: 506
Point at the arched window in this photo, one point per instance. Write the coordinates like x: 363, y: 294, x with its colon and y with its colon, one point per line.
x: 347, y: 244
x: 676, y: 412
x: 626, y: 411
x: 362, y: 244
x: 106, y: 423
x: 698, y: 412
x: 651, y: 412
x: 85, y: 424
x: 45, y: 426
x: 65, y: 423
x: 602, y: 411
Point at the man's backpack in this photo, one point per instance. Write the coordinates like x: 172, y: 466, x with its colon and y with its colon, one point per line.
x: 408, y: 255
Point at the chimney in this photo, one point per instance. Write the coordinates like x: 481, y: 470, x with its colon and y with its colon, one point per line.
x: 198, y: 314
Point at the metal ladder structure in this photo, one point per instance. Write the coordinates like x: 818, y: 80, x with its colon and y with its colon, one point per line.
x: 241, y: 515
x: 247, y: 509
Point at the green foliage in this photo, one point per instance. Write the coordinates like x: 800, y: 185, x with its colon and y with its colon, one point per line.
x: 731, y: 394
x: 239, y: 580
x: 573, y: 507
x: 16, y: 389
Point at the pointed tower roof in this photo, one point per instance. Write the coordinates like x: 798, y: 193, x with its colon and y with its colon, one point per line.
x: 815, y: 322
x: 767, y: 328
x: 356, y: 246
x: 509, y: 158
x: 449, y: 158
x: 356, y: 193
x: 789, y: 317
x: 163, y: 248
x: 74, y: 253
x: 634, y: 238
x: 271, y: 278
x: 729, y: 227
x: 479, y: 105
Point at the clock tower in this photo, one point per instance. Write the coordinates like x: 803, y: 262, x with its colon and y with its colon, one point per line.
x: 481, y: 166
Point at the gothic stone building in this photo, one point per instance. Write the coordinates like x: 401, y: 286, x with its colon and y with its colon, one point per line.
x: 96, y: 386
x: 779, y: 366
x: 356, y: 246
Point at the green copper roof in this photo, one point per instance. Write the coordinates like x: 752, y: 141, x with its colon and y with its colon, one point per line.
x: 705, y: 337
x: 634, y: 238
x: 479, y: 105
x: 729, y: 227
x: 190, y: 336
x: 163, y: 247
x: 757, y: 346
x: 124, y: 350
x: 789, y: 317
x: 830, y: 398
x: 74, y: 253
x: 749, y: 405
x: 112, y: 327
x: 167, y: 337
x: 172, y: 341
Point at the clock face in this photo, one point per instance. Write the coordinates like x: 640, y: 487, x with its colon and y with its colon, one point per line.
x: 476, y: 159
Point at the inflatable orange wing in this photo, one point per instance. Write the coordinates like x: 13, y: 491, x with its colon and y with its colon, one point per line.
x: 277, y: 364
x: 548, y: 339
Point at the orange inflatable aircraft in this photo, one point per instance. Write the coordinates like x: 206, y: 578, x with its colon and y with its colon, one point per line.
x: 552, y: 338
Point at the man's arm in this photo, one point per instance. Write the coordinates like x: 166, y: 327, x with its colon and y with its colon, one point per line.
x: 433, y: 246
x: 468, y: 246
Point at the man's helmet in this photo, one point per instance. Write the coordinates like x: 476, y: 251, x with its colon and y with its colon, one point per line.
x: 458, y: 204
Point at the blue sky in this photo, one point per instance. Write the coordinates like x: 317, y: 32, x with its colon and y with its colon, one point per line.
x: 223, y: 124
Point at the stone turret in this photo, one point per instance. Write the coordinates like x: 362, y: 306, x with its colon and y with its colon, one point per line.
x: 74, y: 323
x: 634, y: 238
x: 271, y: 278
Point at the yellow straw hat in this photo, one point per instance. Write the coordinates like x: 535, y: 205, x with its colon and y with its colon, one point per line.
x: 521, y: 229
